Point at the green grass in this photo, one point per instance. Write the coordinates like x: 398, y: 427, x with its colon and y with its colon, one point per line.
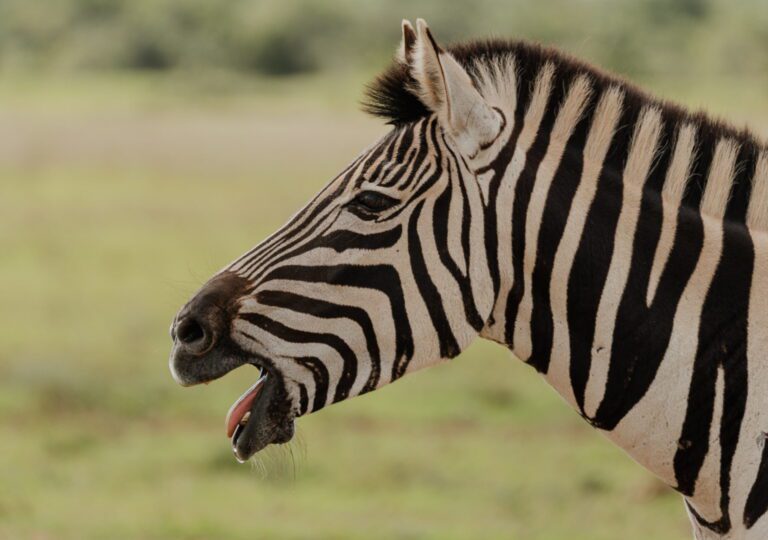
x: 120, y: 196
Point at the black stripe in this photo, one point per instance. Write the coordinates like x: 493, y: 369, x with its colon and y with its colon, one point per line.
x: 439, y: 231
x: 642, y: 333
x: 434, y: 303
x: 757, y: 501
x: 428, y: 142
x: 299, y: 234
x: 293, y: 248
x: 499, y: 167
x: 718, y: 526
x: 303, y: 399
x: 699, y: 172
x: 342, y: 240
x: 293, y: 335
x: 523, y: 189
x: 466, y: 221
x: 329, y: 310
x: 320, y: 375
x: 404, y: 146
x: 593, y: 256
x: 280, y: 234
x: 738, y: 203
x: 424, y: 184
x: 390, y: 140
x: 405, y: 154
x: 382, y: 278
x: 722, y: 345
x: 417, y: 158
x: 557, y: 207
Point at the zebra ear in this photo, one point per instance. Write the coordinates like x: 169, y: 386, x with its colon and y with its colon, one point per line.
x: 446, y: 88
x: 407, y: 43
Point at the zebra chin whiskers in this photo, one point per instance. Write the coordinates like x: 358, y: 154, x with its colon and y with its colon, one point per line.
x: 281, y: 462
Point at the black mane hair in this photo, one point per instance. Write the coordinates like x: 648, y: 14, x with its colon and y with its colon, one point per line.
x: 390, y: 96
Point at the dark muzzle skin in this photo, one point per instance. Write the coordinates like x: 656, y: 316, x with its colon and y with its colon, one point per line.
x: 203, y: 350
x: 202, y: 347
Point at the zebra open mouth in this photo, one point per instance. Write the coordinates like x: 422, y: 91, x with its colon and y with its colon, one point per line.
x: 259, y: 417
x: 240, y: 411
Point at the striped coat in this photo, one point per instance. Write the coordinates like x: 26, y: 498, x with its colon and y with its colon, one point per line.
x: 616, y: 243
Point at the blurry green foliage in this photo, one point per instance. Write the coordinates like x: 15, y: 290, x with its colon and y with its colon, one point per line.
x: 278, y: 37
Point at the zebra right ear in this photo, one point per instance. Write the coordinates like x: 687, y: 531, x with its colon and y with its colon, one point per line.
x: 407, y: 43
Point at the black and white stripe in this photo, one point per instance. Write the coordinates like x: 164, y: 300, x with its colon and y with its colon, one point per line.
x: 366, y: 293
x: 617, y: 244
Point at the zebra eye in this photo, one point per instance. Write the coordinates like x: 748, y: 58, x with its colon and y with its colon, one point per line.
x: 372, y: 202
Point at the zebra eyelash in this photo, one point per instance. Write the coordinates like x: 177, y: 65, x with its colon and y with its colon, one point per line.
x: 369, y: 204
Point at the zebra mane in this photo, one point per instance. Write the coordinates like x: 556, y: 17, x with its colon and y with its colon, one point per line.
x: 391, y: 94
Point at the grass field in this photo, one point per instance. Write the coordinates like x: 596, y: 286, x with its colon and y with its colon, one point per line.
x: 119, y: 196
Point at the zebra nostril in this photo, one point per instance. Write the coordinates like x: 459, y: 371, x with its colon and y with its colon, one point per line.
x: 190, y: 332
x: 207, y: 318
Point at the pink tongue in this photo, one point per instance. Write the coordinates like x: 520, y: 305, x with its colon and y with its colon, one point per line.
x: 242, y: 406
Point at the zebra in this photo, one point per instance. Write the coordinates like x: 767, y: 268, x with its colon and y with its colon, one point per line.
x: 615, y: 242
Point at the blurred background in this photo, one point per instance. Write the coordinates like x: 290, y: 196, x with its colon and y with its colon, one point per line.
x: 146, y: 143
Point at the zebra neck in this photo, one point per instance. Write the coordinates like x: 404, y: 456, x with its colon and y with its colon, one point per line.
x: 634, y: 293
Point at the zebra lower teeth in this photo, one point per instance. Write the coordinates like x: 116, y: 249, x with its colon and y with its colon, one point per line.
x: 244, y: 419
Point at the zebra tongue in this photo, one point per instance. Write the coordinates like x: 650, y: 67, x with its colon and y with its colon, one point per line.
x: 242, y: 405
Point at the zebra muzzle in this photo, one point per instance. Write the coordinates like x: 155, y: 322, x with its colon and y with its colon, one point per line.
x: 204, y: 350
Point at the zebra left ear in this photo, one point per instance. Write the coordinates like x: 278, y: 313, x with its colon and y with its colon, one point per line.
x: 405, y: 50
x: 447, y: 89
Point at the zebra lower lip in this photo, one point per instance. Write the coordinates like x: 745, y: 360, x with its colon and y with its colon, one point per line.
x: 260, y: 417
x: 240, y: 411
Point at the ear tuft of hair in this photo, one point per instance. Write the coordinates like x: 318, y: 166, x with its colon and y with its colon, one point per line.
x: 394, y: 95
x: 390, y: 96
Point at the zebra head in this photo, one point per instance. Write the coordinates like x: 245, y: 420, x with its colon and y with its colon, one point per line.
x: 384, y: 272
